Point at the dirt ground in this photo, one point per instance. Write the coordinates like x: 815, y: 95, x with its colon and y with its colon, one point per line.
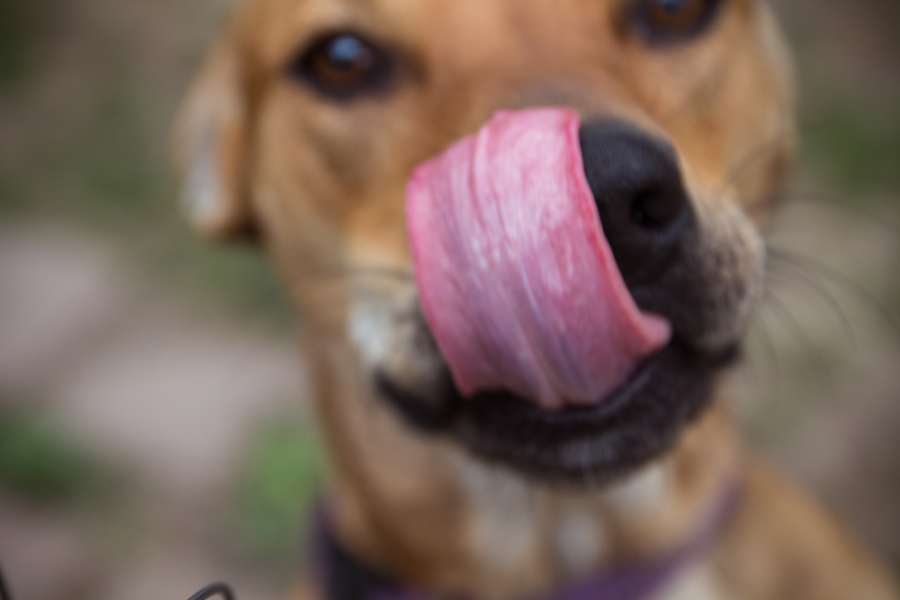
x: 169, y: 390
x: 162, y: 375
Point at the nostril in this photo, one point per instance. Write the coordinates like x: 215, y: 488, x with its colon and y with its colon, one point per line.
x: 656, y: 209
x: 641, y: 198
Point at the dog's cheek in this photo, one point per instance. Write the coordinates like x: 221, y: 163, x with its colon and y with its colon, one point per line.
x: 302, y: 205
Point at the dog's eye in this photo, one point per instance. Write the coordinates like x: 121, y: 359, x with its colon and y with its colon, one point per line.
x: 343, y: 66
x: 673, y: 20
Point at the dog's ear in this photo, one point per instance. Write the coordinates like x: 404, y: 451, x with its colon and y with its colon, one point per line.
x: 210, y: 144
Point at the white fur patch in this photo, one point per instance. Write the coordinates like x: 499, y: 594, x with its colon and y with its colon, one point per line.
x: 202, y: 196
x: 371, y: 331
x: 697, y: 583
x: 643, y: 493
x: 579, y: 542
x: 504, y: 528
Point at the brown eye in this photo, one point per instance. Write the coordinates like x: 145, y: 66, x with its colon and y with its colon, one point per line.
x: 343, y: 66
x: 673, y: 20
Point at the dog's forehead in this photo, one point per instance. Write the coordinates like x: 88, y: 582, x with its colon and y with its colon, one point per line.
x: 472, y: 12
x: 459, y: 29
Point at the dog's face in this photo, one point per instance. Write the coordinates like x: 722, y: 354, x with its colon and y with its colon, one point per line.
x: 310, y: 117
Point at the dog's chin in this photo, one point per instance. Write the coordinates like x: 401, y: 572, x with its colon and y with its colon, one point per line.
x: 593, y: 445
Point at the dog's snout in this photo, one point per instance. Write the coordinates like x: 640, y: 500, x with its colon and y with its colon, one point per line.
x: 639, y: 192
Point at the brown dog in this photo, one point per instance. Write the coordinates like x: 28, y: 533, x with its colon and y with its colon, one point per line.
x: 462, y: 465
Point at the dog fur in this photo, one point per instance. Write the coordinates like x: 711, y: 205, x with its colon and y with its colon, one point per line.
x: 320, y: 183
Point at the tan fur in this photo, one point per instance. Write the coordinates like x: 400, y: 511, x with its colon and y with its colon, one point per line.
x: 323, y: 184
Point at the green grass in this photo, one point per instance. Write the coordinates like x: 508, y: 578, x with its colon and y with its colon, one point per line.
x: 102, y: 173
x: 276, y: 490
x: 112, y: 167
x: 12, y: 195
x: 42, y: 463
x: 17, y: 33
x: 854, y: 145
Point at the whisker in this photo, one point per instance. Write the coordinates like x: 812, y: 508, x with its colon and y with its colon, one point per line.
x: 769, y: 347
x: 752, y: 158
x: 348, y: 271
x: 800, y: 263
x: 797, y: 331
x: 803, y: 281
x: 842, y: 206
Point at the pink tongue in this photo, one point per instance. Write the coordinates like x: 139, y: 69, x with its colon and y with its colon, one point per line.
x: 516, y: 278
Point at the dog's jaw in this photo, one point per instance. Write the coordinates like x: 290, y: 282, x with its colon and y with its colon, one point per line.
x: 507, y: 524
x: 516, y: 535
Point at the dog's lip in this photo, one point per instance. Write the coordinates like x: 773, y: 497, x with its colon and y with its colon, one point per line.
x: 579, y: 445
x: 439, y: 415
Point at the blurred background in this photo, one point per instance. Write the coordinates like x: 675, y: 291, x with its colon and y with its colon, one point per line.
x: 153, y: 426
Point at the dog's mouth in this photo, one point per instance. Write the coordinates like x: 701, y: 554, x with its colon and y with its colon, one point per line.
x: 527, y: 271
x: 636, y: 423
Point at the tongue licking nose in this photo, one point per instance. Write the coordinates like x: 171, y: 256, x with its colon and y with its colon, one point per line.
x: 517, y: 281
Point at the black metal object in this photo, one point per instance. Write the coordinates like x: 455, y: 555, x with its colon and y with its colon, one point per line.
x: 4, y: 591
x: 222, y: 590
x: 216, y: 589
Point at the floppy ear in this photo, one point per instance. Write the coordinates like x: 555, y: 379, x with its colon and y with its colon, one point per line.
x: 210, y: 145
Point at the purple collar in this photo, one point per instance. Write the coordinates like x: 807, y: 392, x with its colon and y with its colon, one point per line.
x: 348, y: 579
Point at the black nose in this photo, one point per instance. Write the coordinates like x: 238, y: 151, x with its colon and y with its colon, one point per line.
x: 639, y: 192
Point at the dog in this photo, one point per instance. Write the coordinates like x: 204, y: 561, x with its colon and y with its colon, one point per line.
x: 524, y: 237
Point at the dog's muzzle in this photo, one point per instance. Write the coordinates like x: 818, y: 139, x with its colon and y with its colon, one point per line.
x: 525, y: 238
x: 576, y: 306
